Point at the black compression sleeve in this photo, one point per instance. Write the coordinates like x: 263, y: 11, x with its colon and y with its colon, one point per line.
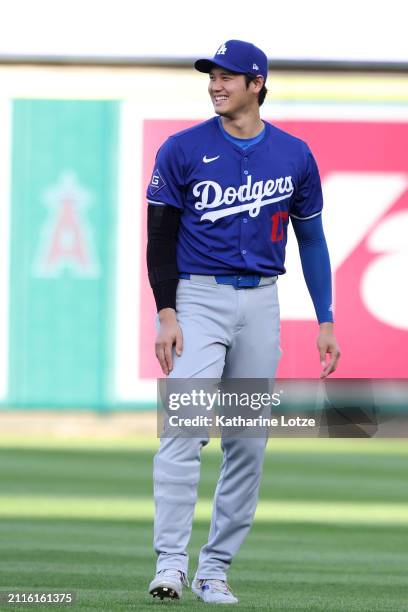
x: 162, y: 230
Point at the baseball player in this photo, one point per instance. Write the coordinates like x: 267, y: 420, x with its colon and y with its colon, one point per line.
x: 219, y: 203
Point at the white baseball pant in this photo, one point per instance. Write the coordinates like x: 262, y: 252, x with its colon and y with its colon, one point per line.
x: 227, y: 333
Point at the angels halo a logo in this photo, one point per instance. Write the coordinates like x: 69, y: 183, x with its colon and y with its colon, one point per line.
x: 66, y: 241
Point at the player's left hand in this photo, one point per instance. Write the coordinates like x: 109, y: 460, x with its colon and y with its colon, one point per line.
x: 327, y: 345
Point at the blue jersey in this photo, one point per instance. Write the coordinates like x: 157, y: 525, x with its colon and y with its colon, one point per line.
x: 235, y: 202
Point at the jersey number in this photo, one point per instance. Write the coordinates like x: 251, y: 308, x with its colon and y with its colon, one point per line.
x: 278, y: 220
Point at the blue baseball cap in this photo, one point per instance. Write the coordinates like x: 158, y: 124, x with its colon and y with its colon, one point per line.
x: 236, y: 56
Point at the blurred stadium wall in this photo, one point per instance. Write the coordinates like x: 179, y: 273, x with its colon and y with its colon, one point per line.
x: 77, y: 318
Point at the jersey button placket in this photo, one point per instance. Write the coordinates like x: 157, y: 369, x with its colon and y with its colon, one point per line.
x: 244, y: 165
x: 245, y: 172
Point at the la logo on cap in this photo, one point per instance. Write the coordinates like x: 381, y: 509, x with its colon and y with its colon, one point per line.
x: 222, y: 50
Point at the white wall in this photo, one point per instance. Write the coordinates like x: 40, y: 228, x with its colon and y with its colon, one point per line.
x: 290, y: 29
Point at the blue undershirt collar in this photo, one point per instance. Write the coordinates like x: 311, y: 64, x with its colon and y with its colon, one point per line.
x: 244, y: 143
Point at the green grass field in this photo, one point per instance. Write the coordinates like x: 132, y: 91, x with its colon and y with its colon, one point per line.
x: 331, y: 531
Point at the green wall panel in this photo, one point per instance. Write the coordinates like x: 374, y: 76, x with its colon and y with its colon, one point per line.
x: 64, y: 186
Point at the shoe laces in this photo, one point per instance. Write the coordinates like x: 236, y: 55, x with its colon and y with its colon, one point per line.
x: 217, y: 585
x: 174, y: 573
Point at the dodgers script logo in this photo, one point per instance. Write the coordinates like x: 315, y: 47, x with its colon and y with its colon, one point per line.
x: 256, y: 195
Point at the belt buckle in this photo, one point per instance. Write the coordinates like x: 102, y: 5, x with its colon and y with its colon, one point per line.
x: 243, y: 282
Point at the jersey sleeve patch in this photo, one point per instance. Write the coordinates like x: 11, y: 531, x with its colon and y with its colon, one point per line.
x: 157, y: 182
x: 167, y: 182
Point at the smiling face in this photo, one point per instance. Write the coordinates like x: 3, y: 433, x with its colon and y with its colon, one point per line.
x: 229, y: 94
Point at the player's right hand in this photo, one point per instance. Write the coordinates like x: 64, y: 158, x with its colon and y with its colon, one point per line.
x: 169, y: 334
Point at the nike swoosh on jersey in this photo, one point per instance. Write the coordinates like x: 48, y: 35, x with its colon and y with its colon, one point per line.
x: 207, y: 160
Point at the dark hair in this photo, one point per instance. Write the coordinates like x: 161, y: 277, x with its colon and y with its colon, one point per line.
x: 262, y: 94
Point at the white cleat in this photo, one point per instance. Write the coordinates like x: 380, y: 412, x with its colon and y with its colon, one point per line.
x: 168, y: 584
x: 213, y: 591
